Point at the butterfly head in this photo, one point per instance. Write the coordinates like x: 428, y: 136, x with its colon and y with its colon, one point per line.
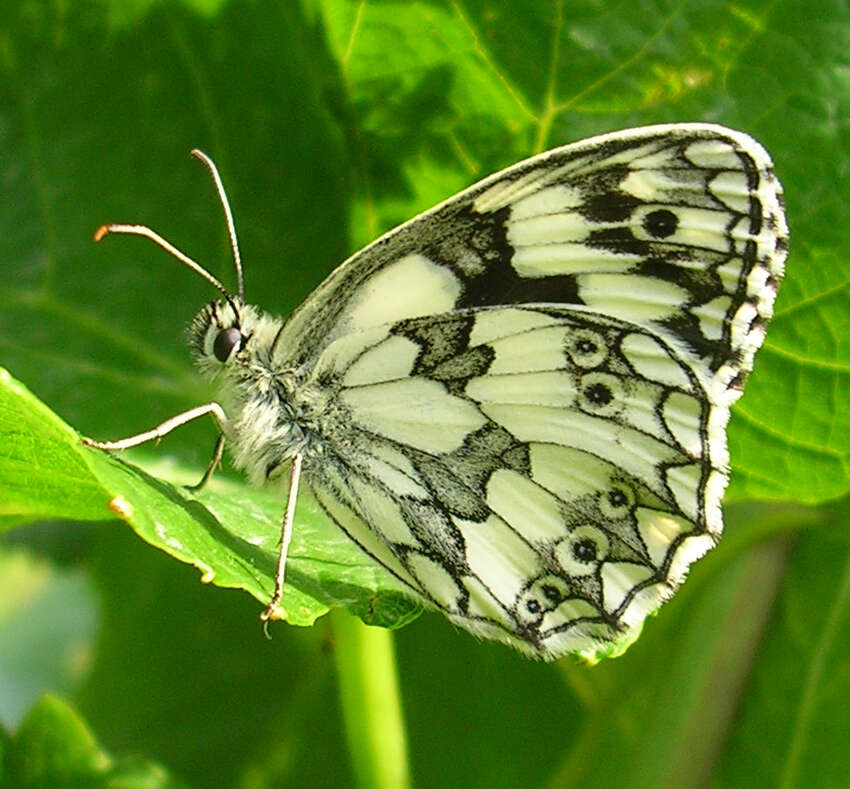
x: 229, y: 336
x: 221, y: 333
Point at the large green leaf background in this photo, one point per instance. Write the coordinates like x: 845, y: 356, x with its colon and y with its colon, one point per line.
x: 332, y: 120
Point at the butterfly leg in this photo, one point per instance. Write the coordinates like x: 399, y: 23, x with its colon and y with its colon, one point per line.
x: 285, y: 537
x: 165, y: 428
x: 211, y: 466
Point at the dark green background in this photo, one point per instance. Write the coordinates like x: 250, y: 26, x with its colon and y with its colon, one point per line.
x: 331, y: 121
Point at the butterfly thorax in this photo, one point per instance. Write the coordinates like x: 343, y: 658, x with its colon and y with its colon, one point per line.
x: 274, y: 409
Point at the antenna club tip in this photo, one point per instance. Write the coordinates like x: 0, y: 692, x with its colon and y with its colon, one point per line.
x: 102, y: 231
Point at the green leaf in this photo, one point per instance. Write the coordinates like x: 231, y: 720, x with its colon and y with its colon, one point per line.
x: 229, y: 532
x: 54, y: 747
x: 43, y: 476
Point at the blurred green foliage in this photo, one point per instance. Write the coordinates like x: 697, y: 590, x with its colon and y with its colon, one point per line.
x: 332, y: 120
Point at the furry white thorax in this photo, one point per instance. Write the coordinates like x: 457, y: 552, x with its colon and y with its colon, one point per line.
x: 274, y: 409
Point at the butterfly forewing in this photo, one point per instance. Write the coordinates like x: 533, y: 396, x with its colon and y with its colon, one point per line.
x: 680, y: 226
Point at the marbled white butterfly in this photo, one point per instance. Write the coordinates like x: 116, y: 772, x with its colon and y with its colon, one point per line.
x: 517, y: 401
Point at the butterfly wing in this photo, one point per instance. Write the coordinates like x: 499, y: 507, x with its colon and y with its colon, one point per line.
x: 678, y: 227
x: 544, y: 476
x: 531, y: 382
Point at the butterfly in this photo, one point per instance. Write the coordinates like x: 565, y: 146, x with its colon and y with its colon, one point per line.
x: 517, y: 401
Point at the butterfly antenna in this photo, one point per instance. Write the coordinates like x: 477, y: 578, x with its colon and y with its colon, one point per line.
x: 146, y: 232
x: 228, y: 215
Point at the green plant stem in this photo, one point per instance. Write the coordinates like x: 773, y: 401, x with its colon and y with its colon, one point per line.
x: 371, y: 703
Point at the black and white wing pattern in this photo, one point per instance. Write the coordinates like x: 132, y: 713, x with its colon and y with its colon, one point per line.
x: 526, y: 389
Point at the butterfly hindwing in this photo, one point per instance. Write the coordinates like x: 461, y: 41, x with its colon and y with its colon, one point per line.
x: 544, y: 476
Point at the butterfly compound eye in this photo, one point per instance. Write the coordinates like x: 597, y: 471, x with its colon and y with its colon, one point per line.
x: 227, y: 342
